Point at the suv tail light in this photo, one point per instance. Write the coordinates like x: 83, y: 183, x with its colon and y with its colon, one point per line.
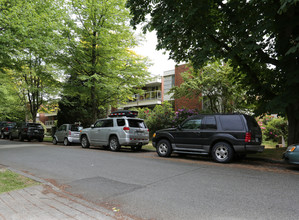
x: 126, y: 129
x: 6, y: 129
x: 248, y: 137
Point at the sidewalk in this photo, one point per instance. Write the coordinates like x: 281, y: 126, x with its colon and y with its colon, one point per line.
x: 46, y: 201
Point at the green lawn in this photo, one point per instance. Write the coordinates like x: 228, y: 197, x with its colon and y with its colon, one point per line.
x: 11, y: 181
x: 48, y: 139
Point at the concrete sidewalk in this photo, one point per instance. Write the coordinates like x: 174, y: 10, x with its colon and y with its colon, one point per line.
x: 46, y: 201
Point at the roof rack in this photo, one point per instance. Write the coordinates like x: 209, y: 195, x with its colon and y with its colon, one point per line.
x: 123, y: 113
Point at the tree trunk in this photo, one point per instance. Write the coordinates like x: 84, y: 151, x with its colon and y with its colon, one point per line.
x: 293, y: 120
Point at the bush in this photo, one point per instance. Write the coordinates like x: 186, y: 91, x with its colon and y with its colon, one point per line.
x: 273, y: 128
x: 159, y: 118
x: 276, y: 128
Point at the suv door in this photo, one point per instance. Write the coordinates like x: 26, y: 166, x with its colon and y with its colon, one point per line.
x: 60, y: 133
x: 105, y: 131
x: 208, y: 131
x: 95, y: 131
x: 188, y: 135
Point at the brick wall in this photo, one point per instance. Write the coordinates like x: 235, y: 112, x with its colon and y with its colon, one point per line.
x: 184, y: 102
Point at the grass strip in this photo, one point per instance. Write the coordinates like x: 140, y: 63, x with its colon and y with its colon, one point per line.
x: 10, y: 181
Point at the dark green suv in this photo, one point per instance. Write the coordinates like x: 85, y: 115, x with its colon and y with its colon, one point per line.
x: 221, y: 135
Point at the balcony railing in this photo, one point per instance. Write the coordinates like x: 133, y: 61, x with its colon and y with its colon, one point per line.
x: 152, y: 95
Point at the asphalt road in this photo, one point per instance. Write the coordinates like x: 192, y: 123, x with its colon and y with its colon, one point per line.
x: 143, y: 186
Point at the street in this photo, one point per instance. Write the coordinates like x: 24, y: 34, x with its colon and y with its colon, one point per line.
x: 144, y: 186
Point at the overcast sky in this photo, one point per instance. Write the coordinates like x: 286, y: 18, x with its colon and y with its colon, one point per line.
x: 160, y: 61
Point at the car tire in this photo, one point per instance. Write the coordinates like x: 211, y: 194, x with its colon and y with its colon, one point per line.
x: 114, y: 144
x: 222, y: 152
x: 84, y: 142
x: 10, y: 137
x: 164, y: 148
x: 54, y: 141
x: 21, y: 138
x: 136, y: 147
x: 66, y: 142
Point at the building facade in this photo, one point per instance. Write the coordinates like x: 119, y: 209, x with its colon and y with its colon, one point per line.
x: 158, y: 90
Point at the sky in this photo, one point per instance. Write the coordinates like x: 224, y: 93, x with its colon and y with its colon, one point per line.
x: 159, y: 60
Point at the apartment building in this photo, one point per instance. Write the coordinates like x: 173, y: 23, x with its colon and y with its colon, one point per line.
x: 158, y: 90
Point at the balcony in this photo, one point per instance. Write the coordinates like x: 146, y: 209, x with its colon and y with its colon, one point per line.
x: 146, y: 99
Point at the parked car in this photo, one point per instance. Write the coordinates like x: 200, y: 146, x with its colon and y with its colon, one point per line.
x: 221, y: 135
x: 5, y: 129
x: 121, y: 128
x: 291, y: 155
x: 26, y: 130
x: 68, y: 134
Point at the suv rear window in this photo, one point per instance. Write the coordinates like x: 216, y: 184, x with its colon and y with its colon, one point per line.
x: 231, y: 122
x: 251, y: 122
x: 133, y: 123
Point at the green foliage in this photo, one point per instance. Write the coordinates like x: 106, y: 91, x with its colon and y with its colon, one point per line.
x: 160, y: 117
x: 11, y: 108
x: 276, y: 128
x: 214, y: 86
x: 33, y: 29
x: 273, y: 127
x: 260, y: 38
x: 103, y: 69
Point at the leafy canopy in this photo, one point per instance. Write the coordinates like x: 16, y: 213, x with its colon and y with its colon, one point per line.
x: 261, y: 38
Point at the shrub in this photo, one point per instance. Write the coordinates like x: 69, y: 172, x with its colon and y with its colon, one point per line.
x: 159, y: 118
x: 276, y: 128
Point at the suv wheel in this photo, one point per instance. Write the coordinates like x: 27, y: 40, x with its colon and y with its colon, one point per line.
x: 66, y: 142
x: 222, y: 152
x: 84, y: 142
x: 164, y: 148
x: 114, y: 144
x: 54, y: 141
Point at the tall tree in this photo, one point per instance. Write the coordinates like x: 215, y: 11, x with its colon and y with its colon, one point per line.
x: 260, y: 37
x: 34, y: 31
x: 103, y: 69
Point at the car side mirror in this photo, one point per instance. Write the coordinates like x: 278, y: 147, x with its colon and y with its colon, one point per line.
x: 92, y: 126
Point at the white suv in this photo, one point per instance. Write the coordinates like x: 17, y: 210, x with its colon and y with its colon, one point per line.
x: 122, y: 128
